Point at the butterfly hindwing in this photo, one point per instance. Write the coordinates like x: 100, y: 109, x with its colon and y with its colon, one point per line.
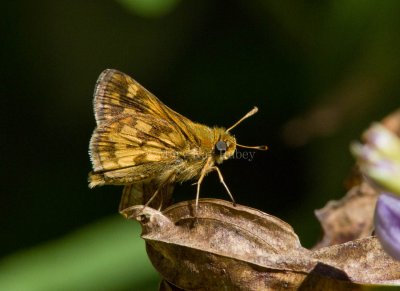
x: 133, y: 148
x: 141, y: 192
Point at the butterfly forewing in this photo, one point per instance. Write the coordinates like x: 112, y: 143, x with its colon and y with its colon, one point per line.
x: 116, y: 93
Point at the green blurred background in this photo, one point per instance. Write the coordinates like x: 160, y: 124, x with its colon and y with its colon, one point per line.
x: 319, y: 71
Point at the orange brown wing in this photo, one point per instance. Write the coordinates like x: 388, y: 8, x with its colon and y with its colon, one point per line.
x: 137, y: 137
x: 117, y: 93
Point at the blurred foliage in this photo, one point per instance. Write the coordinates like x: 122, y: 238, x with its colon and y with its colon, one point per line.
x: 108, y: 255
x: 149, y: 8
x: 319, y: 72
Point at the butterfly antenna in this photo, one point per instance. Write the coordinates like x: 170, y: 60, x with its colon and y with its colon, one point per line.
x: 261, y: 148
x: 248, y: 114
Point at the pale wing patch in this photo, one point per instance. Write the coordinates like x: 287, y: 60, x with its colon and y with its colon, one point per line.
x: 128, y: 130
x: 126, y: 175
x: 143, y: 126
x: 151, y: 157
x: 132, y: 90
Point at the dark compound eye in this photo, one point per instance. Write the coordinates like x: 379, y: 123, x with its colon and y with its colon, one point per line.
x: 220, y: 147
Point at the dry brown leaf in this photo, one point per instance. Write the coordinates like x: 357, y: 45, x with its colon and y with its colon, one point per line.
x: 240, y: 248
x: 349, y: 218
x: 362, y: 260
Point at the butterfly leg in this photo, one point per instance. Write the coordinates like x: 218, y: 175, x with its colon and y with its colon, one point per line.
x: 203, y: 173
x: 151, y: 199
x: 221, y: 179
x: 161, y: 203
x: 163, y: 188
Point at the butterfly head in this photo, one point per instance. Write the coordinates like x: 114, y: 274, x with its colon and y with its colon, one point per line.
x: 224, y: 147
x: 226, y: 144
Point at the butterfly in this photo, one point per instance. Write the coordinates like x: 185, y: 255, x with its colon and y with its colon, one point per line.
x: 144, y: 145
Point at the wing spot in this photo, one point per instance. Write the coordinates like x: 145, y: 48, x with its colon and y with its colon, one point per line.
x: 128, y: 130
x: 132, y: 90
x: 154, y: 144
x: 126, y: 161
x: 153, y: 157
x: 129, y: 111
x: 142, y: 126
x: 115, y: 97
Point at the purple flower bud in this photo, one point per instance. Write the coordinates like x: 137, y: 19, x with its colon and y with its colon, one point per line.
x: 379, y: 157
x: 387, y: 223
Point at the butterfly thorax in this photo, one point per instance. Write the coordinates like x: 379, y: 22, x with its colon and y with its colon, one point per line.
x: 214, y: 146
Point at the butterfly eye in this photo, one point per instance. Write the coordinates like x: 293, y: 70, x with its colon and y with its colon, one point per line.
x: 220, y: 147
